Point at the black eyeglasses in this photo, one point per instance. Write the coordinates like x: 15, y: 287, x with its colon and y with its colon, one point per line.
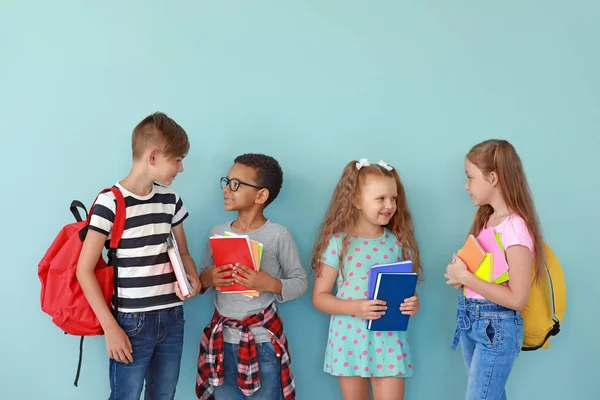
x: 234, y: 184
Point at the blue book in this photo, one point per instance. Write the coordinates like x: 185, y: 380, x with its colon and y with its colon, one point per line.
x: 393, y: 288
x: 401, y: 266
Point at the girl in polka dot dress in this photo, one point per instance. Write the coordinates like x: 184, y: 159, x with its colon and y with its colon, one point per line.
x: 367, y: 223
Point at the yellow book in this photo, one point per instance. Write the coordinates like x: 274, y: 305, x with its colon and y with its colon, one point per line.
x: 486, y: 268
x: 257, y: 248
x: 484, y: 271
x: 504, y: 277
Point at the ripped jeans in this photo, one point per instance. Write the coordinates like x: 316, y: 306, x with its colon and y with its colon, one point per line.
x: 491, y: 337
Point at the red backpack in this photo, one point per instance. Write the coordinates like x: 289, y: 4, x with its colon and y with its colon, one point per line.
x: 61, y: 295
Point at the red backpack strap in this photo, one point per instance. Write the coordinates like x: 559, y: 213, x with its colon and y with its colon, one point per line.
x: 120, y: 216
x: 116, y: 234
x: 115, y: 238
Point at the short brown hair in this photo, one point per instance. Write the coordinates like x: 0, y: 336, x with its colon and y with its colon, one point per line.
x: 159, y: 130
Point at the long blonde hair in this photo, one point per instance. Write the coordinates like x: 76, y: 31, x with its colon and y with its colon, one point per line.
x: 340, y: 216
x: 500, y: 156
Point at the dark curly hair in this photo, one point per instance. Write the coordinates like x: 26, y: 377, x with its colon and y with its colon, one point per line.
x: 268, y: 172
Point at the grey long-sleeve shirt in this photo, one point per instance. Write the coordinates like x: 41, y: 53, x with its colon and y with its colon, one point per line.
x: 280, y: 259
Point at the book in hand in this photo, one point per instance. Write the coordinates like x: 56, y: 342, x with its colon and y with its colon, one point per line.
x: 257, y: 249
x: 493, y: 267
x: 504, y: 276
x: 232, y: 250
x: 177, y: 263
x: 375, y: 270
x: 489, y: 242
x: 472, y: 254
x: 484, y: 272
x: 393, y: 288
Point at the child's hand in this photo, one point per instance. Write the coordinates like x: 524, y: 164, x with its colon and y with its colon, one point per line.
x: 118, y: 345
x: 218, y: 276
x: 455, y: 272
x: 196, y: 286
x: 369, y: 309
x: 410, y: 306
x: 260, y: 280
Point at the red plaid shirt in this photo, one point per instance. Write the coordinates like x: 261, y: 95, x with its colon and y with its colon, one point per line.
x: 210, y: 360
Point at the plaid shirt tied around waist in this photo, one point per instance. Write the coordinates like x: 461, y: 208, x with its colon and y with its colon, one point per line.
x: 210, y: 359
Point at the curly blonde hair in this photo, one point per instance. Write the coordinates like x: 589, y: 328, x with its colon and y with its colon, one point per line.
x: 340, y: 217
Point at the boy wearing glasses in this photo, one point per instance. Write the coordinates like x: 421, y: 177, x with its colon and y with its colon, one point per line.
x: 243, y: 351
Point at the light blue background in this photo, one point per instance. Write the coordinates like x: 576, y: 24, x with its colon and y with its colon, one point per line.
x: 315, y: 84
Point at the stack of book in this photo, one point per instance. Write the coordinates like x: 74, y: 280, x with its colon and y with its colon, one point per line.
x: 392, y: 283
x: 232, y: 249
x: 484, y: 257
x: 177, y: 263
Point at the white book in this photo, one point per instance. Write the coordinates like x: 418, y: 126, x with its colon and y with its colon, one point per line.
x: 177, y: 264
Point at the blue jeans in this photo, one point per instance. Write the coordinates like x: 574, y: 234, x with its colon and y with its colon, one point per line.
x: 491, y: 337
x: 157, y: 341
x: 270, y: 374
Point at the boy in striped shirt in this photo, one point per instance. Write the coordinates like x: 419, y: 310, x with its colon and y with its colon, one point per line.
x: 145, y: 340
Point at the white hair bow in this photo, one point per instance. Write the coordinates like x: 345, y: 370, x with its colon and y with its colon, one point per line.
x: 363, y: 162
x: 385, y: 165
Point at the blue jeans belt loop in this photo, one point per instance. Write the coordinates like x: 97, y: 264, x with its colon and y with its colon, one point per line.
x: 463, y: 322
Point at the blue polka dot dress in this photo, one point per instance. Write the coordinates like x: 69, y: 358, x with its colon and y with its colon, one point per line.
x: 352, y: 349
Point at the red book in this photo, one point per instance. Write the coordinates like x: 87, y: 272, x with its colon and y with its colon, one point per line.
x: 232, y: 250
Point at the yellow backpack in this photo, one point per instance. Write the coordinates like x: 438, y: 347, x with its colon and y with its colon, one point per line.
x: 546, y: 306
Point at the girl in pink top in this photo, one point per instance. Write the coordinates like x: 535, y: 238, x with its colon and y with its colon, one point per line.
x: 490, y: 326
x: 514, y: 232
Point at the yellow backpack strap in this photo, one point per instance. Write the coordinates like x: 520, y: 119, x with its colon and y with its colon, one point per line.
x: 557, y: 284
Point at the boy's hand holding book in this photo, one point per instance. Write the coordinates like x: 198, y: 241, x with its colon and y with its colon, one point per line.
x: 259, y: 280
x: 218, y: 276
x: 196, y: 286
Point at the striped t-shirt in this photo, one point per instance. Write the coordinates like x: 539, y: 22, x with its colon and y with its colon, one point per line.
x: 146, y: 280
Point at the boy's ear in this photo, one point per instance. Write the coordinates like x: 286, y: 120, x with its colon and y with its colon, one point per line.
x: 152, y: 155
x: 262, y: 196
